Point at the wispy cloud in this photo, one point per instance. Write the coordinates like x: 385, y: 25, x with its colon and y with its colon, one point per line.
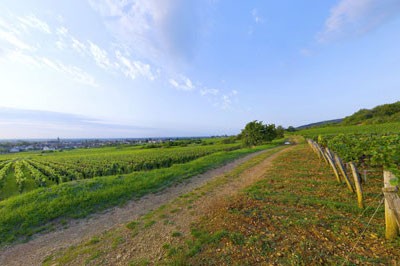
x: 133, y: 69
x: 32, y: 21
x: 182, y: 83
x: 18, y: 56
x: 78, y: 46
x: 221, y: 99
x: 99, y: 55
x: 205, y: 91
x: 73, y: 72
x: 14, y: 40
x: 15, y: 34
x: 256, y: 16
x: 228, y: 99
x: 357, y: 17
x: 159, y: 31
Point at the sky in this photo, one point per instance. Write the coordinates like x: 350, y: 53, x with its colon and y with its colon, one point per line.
x: 149, y: 68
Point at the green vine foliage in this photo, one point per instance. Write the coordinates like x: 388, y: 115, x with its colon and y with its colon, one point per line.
x: 376, y: 150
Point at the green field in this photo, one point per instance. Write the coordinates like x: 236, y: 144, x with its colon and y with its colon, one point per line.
x: 24, y: 172
x: 136, y: 172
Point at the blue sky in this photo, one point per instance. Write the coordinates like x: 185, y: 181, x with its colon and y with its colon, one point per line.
x: 138, y: 68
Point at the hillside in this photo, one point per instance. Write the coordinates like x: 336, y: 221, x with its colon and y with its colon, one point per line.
x: 384, y: 113
x: 322, y: 123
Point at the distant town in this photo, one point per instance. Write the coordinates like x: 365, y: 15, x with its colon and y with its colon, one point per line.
x: 14, y: 146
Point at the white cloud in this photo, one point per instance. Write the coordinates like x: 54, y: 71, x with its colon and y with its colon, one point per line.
x: 62, y: 31
x: 220, y: 99
x: 78, y: 46
x: 15, y: 41
x: 100, y: 56
x: 163, y: 32
x: 136, y: 23
x: 20, y: 51
x: 228, y: 99
x: 182, y: 83
x: 133, y: 69
x: 32, y: 21
x: 357, y: 17
x: 19, y: 56
x: 256, y: 17
x: 204, y: 92
x: 73, y: 72
x: 63, y: 36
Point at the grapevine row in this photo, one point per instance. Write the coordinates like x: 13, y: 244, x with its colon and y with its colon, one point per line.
x: 377, y: 150
x: 3, y: 172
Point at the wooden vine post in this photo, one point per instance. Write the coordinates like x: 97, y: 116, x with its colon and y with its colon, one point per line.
x: 342, y: 170
x: 332, y: 163
x: 391, y: 200
x: 358, y: 185
x: 322, y: 154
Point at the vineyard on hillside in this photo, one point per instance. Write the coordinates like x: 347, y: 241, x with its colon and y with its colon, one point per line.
x: 371, y: 146
x: 388, y: 128
x: 22, y: 173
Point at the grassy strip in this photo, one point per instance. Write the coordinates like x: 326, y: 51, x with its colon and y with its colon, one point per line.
x: 297, y: 215
x: 24, y: 215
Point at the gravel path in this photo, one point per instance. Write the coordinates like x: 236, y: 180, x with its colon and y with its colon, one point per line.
x: 42, y: 245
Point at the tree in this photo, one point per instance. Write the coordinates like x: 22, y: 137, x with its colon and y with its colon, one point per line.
x: 280, y: 132
x: 269, y: 132
x: 256, y: 132
x: 291, y: 129
x: 253, y: 133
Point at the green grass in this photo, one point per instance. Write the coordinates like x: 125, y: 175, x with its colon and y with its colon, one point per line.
x: 22, y: 216
x: 353, y: 129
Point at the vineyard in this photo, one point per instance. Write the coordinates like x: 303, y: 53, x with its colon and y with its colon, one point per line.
x: 26, y: 172
x: 388, y: 128
x: 370, y: 147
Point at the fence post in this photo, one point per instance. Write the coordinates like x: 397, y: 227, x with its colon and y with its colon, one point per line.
x: 392, y: 229
x: 332, y: 163
x: 343, y: 172
x: 322, y: 153
x: 358, y: 185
